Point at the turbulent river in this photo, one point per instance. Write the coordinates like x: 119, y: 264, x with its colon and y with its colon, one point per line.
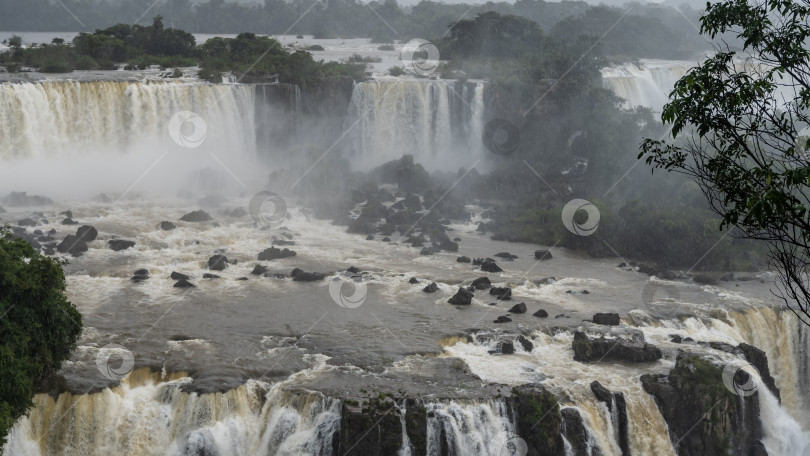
x: 260, y: 366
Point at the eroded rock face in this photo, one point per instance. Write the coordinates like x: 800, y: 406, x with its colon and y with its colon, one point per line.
x: 374, y: 428
x: 539, y: 421
x: 575, y: 432
x: 704, y: 416
x: 587, y: 349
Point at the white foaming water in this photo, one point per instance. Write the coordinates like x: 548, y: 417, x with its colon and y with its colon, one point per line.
x: 440, y: 123
x: 647, y: 84
x: 60, y: 137
x: 469, y: 428
x: 150, y: 415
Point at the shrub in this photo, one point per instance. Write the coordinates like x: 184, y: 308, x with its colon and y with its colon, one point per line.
x: 396, y: 71
x: 56, y: 67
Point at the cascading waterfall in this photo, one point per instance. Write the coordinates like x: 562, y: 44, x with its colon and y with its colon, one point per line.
x: 440, y: 123
x: 472, y: 428
x: 150, y: 415
x: 646, y: 84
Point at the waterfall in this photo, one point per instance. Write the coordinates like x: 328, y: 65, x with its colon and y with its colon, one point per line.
x: 472, y: 428
x: 108, y: 133
x: 149, y: 415
x: 647, y: 83
x: 440, y: 123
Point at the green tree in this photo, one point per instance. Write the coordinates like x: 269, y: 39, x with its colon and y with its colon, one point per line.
x: 39, y: 327
x: 744, y: 114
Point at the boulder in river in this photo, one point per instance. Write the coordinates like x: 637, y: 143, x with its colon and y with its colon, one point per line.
x: 587, y: 349
x: 413, y: 281
x: 432, y: 288
x: 274, y: 254
x: 519, y: 308
x: 196, y: 216
x: 167, y: 226
x: 507, y: 348
x: 72, y: 245
x: 540, y: 314
x: 501, y: 294
x: 178, y: 276
x: 120, y: 244
x: 542, y: 254
x: 609, y: 319
x: 502, y: 319
x: 506, y: 256
x: 300, y: 276
x: 463, y: 259
x: 528, y: 346
x: 69, y: 221
x: 259, y: 270
x: 218, y: 262
x: 462, y: 297
x: 87, y: 233
x: 210, y: 276
x: 140, y: 275
x: 28, y: 221
x: 481, y: 283
x: 490, y: 266
x: 183, y: 283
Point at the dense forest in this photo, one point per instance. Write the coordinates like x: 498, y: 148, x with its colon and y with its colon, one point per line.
x: 648, y: 30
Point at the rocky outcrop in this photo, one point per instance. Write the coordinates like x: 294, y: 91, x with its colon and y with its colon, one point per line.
x: 618, y: 410
x: 373, y: 428
x: 167, y: 226
x: 519, y: 308
x: 759, y: 360
x: 609, y: 319
x: 539, y: 421
x: 196, y: 216
x: 274, y: 254
x: 72, y: 245
x: 575, y: 432
x: 704, y: 417
x: 501, y: 294
x: 300, y: 276
x: 218, y: 263
x: 120, y: 244
x: 432, y: 288
x: 87, y: 233
x: 490, y: 266
x: 462, y: 297
x: 481, y: 283
x: 587, y: 349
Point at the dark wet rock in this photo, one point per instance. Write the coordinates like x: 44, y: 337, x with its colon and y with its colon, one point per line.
x: 218, y: 262
x: 27, y: 222
x: 587, y: 349
x: 561, y: 316
x: 759, y: 360
x: 167, y: 226
x: 490, y: 266
x: 676, y: 338
x: 602, y: 394
x: 688, y: 339
x: 374, y: 428
x: 141, y: 272
x: 540, y: 314
x: 432, y: 288
x: 300, y: 276
x: 69, y: 221
x: 282, y: 242
x: 353, y: 270
x: 196, y: 216
x: 120, y: 244
x: 72, y: 245
x: 259, y: 270
x: 463, y: 259
x: 210, y: 276
x: 585, y: 292
x: 546, y: 281
x: 507, y: 348
x: 519, y: 308
x: 501, y: 294
x: 693, y: 389
x: 413, y: 280
x: 506, y: 256
x: 462, y: 297
x: 275, y: 254
x: 620, y: 406
x: 528, y: 346
x: 140, y: 275
x: 242, y: 279
x: 178, y: 276
x: 87, y: 233
x: 183, y: 284
x: 20, y: 199
x: 502, y: 319
x: 370, y: 237
x: 481, y: 283
x: 386, y: 239
x: 568, y: 291
x: 426, y: 251
x: 38, y: 232
x: 538, y: 420
x: 609, y: 319
x: 576, y: 433
x: 543, y: 254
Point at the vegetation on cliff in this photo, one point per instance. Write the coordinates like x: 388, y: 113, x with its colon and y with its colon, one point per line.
x: 38, y: 326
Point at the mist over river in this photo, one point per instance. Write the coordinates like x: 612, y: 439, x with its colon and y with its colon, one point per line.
x: 255, y: 361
